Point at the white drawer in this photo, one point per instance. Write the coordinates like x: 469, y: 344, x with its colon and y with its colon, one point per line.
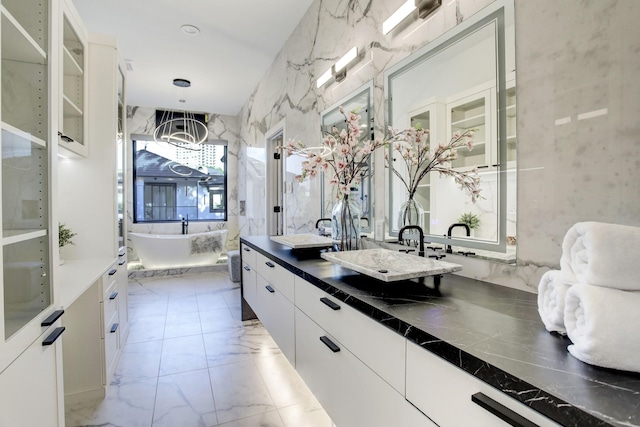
x: 348, y: 390
x: 435, y: 386
x: 277, y: 315
x: 110, y: 340
x: 380, y: 348
x: 277, y: 276
x: 249, y: 284
x: 109, y: 307
x: 108, y: 279
x: 248, y: 255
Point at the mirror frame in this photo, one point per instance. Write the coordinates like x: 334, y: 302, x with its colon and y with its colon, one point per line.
x: 496, y: 12
x: 366, y: 90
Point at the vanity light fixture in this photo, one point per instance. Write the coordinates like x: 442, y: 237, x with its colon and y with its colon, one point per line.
x: 339, y: 69
x: 425, y: 8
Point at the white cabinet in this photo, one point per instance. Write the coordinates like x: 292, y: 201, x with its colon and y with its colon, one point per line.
x: 380, y: 348
x: 435, y: 386
x: 273, y: 303
x: 29, y: 387
x: 123, y: 295
x: 73, y: 120
x: 249, y: 275
x: 350, y: 392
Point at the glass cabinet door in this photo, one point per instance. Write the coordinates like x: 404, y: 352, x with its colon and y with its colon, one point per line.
x: 121, y: 144
x: 25, y: 133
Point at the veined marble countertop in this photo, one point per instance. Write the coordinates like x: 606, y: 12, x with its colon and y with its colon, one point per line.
x: 492, y: 332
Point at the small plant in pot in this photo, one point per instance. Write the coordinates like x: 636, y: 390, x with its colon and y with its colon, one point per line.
x: 65, y: 237
x: 470, y: 219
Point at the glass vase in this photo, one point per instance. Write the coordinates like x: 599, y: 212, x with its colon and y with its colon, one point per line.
x: 411, y: 213
x: 345, y: 223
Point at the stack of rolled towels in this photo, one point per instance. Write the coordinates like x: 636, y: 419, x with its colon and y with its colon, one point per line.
x: 594, y: 298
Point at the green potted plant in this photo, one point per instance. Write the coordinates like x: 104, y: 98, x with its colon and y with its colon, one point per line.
x: 65, y: 237
x: 470, y: 219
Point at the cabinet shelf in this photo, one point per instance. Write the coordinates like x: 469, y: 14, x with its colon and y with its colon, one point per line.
x: 469, y: 122
x: 6, y: 127
x: 17, y: 44
x: 71, y: 66
x: 16, y: 236
x: 71, y: 109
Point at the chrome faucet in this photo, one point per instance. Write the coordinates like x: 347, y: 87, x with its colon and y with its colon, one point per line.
x: 406, y: 229
x: 451, y: 227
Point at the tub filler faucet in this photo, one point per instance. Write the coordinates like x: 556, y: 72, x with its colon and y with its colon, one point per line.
x: 185, y: 225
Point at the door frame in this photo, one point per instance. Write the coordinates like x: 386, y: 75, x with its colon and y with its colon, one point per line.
x: 276, y: 223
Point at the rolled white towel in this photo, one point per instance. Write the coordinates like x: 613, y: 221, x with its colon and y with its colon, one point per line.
x: 551, y: 294
x: 602, y: 323
x: 601, y: 254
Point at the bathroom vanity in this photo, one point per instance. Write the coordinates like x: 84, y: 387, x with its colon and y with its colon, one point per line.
x: 473, y: 354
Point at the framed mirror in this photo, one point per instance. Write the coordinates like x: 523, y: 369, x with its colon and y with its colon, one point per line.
x: 359, y: 101
x: 463, y: 80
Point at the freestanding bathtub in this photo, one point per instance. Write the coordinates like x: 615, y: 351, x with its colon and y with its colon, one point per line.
x: 158, y: 251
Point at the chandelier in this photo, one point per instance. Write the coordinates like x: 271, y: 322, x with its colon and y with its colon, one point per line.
x: 181, y: 127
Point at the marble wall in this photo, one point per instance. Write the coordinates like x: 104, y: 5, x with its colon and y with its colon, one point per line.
x: 141, y: 121
x: 578, y: 100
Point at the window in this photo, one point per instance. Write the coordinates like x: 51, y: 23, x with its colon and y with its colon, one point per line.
x: 175, y: 181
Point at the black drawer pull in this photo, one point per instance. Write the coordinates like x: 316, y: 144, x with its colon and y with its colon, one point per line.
x: 122, y: 254
x: 270, y: 289
x: 52, y: 318
x: 53, y: 336
x: 246, y: 249
x: 246, y: 267
x: 113, y: 295
x: 332, y: 346
x: 501, y: 411
x: 123, y: 262
x: 112, y: 272
x: 332, y: 305
x: 114, y: 327
x: 270, y: 264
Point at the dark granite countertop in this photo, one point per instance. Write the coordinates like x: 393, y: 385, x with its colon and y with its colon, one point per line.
x: 490, y: 331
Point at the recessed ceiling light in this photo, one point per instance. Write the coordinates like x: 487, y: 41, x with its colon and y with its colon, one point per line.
x: 190, y: 30
x: 182, y: 82
x: 182, y: 100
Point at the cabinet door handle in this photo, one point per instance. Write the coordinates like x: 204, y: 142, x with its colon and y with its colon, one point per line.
x: 122, y: 254
x: 332, y: 305
x: 114, y: 327
x: 332, y: 346
x: 123, y: 262
x: 270, y: 289
x: 53, y: 336
x: 269, y: 264
x: 52, y: 318
x: 246, y: 249
x: 112, y: 272
x: 246, y: 267
x: 113, y: 295
x: 501, y: 411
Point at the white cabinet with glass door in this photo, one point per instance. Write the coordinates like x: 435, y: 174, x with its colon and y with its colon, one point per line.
x: 29, y: 322
x: 73, y: 121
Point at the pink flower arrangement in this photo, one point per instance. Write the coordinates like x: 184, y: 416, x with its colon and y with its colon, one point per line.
x: 342, y: 152
x: 421, y: 158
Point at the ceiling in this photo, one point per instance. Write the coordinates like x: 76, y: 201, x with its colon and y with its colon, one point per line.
x: 238, y: 41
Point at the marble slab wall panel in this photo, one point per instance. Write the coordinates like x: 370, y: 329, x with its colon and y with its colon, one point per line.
x: 577, y: 100
x: 141, y: 121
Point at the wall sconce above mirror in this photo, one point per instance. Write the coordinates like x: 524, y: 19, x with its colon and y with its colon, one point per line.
x: 339, y: 69
x: 424, y: 8
x: 463, y: 81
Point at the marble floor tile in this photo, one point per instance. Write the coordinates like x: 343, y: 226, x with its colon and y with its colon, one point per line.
x: 266, y: 419
x: 138, y: 361
x: 185, y: 399
x: 129, y: 404
x: 182, y: 354
x: 218, y: 319
x: 190, y: 361
x: 182, y: 325
x: 282, y: 381
x: 143, y: 329
x: 239, y: 391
